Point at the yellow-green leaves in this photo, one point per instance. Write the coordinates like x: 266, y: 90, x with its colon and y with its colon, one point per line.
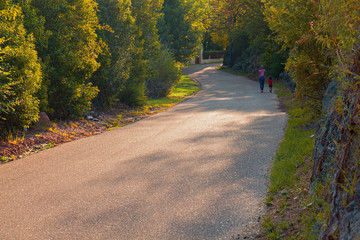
x: 20, y: 71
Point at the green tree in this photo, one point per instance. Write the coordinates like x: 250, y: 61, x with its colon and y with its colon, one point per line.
x: 161, y: 70
x: 35, y: 26
x: 146, y: 14
x: 240, y: 26
x: 118, y: 34
x: 70, y: 56
x: 224, y: 20
x: 308, y: 65
x: 337, y: 30
x: 180, y: 28
x: 20, y: 71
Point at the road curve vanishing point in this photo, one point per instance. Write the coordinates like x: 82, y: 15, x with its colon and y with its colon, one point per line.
x: 196, y: 171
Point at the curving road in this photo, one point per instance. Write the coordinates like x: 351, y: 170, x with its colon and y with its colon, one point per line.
x: 196, y: 171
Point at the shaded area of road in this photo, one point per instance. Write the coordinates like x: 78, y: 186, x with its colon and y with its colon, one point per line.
x: 197, y: 171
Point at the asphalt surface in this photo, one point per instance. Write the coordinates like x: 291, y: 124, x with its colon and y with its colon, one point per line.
x: 196, y: 171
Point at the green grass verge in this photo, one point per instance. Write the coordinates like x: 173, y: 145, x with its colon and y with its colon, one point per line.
x: 297, y: 145
x: 184, y: 88
x: 289, y: 199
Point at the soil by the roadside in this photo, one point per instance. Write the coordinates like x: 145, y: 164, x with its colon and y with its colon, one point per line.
x: 37, y: 139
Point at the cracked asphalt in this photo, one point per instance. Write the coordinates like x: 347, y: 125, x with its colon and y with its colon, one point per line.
x: 196, y: 171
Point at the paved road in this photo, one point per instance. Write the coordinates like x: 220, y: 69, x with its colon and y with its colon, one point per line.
x: 196, y: 171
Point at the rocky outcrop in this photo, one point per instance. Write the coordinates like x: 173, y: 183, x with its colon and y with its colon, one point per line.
x: 287, y: 79
x: 336, y: 161
x: 327, y: 135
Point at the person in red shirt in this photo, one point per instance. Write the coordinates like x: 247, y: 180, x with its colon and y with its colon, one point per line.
x: 270, y: 83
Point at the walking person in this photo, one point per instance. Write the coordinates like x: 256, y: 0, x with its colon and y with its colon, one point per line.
x: 261, y: 77
x: 270, y: 83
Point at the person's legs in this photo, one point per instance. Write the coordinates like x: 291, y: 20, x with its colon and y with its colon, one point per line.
x: 261, y: 81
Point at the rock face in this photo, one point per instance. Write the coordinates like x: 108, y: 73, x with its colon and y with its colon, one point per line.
x: 287, y: 79
x: 336, y: 161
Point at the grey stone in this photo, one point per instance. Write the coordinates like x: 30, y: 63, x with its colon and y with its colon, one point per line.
x: 44, y: 120
x: 330, y: 93
x: 332, y: 161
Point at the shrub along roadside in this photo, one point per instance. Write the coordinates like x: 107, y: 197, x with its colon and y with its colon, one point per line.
x: 293, y: 212
x: 42, y: 138
x: 178, y: 93
x: 20, y: 72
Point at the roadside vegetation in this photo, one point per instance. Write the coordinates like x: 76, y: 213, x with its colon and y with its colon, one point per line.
x: 66, y: 58
x: 40, y: 138
x: 291, y: 210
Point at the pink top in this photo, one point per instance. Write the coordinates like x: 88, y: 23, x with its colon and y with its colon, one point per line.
x: 261, y: 73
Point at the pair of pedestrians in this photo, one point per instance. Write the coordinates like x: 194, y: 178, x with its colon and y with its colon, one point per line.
x: 261, y: 76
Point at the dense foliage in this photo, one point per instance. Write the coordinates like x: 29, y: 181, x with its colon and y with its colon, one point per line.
x: 69, y: 54
x: 118, y: 37
x: 240, y: 26
x: 20, y: 71
x: 312, y: 40
x: 181, y: 27
x: 307, y: 64
x: 62, y: 56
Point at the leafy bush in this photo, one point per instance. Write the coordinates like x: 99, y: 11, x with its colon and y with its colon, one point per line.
x: 20, y: 72
x: 167, y: 75
x: 133, y: 94
x: 76, y: 97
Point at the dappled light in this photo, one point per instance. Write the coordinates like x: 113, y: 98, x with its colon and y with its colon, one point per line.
x: 196, y: 171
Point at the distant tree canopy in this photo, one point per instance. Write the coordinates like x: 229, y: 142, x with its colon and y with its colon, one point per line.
x: 181, y: 27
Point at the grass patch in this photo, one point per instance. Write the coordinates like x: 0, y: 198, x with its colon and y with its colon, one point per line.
x: 15, y: 138
x: 298, y: 143
x: 294, y: 213
x: 184, y: 88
